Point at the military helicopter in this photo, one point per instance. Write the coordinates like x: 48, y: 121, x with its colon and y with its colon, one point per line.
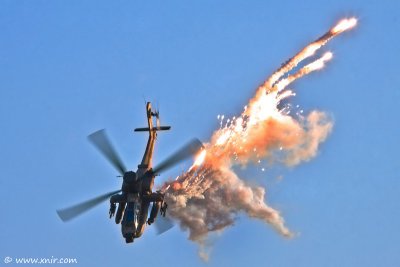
x: 136, y: 194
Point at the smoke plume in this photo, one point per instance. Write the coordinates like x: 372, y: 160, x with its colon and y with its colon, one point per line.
x: 210, y: 195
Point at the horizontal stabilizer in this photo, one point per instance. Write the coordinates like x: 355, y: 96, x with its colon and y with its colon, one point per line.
x: 147, y: 129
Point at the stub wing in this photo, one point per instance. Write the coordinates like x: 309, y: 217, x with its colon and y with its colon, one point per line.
x: 147, y: 129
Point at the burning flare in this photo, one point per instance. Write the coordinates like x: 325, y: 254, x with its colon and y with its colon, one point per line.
x: 210, y: 195
x: 344, y: 25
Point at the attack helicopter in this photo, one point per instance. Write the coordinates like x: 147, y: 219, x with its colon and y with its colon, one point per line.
x: 136, y: 194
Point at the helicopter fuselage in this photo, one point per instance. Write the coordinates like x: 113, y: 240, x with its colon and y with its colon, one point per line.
x: 137, y: 194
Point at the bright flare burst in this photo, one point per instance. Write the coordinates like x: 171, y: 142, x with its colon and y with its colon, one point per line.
x: 209, y: 195
x: 344, y: 25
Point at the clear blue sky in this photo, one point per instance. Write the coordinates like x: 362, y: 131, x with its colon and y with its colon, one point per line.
x: 68, y: 68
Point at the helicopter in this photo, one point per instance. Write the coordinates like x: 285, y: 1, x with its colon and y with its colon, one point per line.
x: 136, y: 193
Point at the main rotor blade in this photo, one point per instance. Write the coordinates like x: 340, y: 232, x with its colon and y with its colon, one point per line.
x: 102, y: 143
x: 163, y: 224
x: 76, y: 210
x: 186, y: 151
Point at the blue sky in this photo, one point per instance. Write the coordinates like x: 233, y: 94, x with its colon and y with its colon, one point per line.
x: 68, y: 68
